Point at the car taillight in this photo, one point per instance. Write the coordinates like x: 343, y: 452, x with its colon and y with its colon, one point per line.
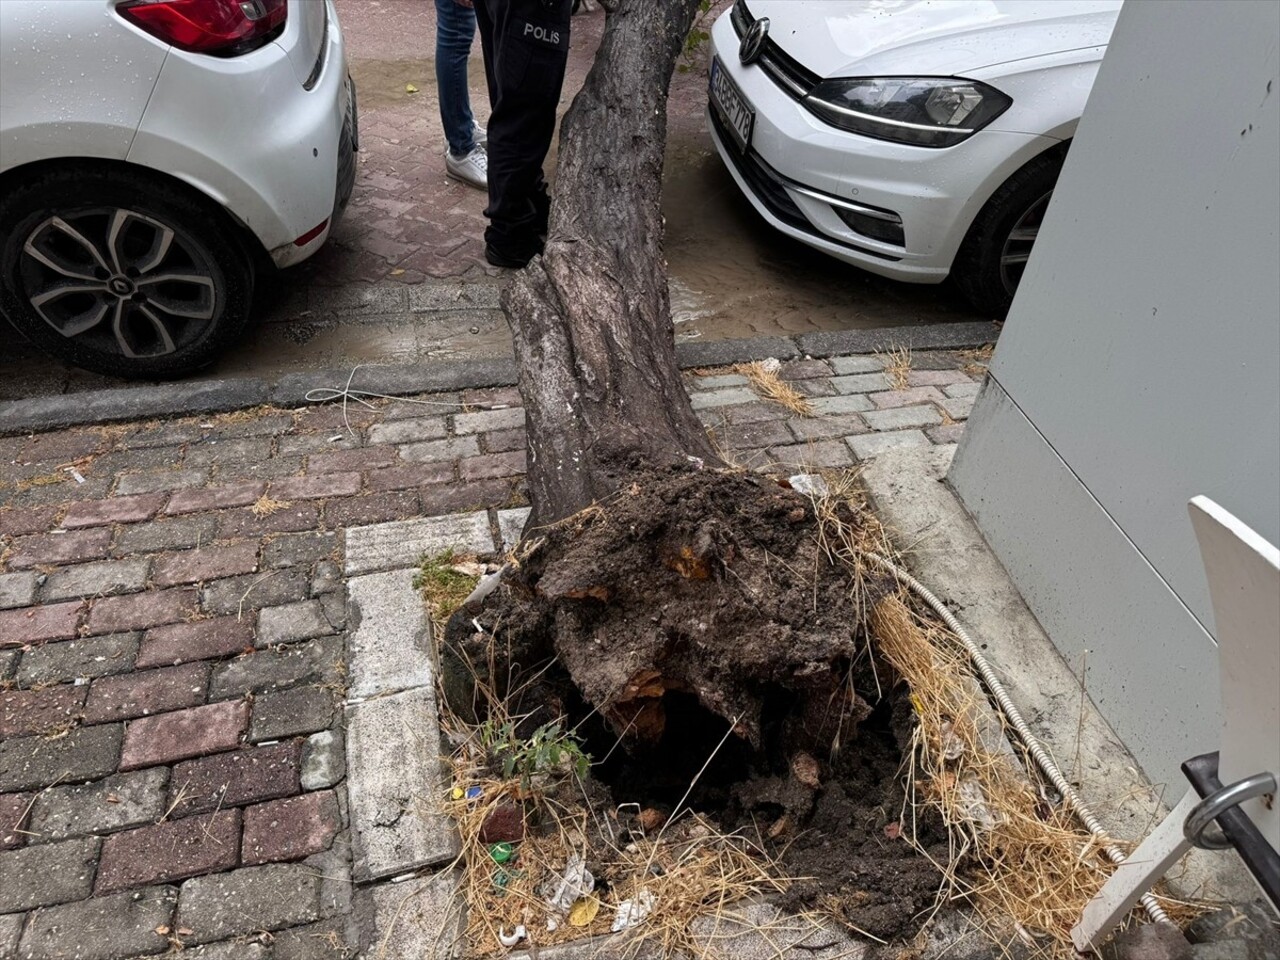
x: 223, y: 28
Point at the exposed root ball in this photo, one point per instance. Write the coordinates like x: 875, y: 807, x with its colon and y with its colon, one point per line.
x: 705, y: 583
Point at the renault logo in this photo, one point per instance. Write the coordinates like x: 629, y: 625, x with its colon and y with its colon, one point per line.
x: 753, y: 42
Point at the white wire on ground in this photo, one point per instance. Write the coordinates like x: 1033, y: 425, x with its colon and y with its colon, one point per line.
x: 1020, y: 726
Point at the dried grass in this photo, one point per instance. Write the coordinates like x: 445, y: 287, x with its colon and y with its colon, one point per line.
x: 897, y: 365
x: 764, y: 379
x: 264, y: 506
x: 978, y: 360
x: 1028, y: 865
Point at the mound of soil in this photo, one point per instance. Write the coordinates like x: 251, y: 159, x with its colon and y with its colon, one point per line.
x: 696, y: 630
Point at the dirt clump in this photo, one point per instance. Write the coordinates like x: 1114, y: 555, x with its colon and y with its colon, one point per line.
x: 701, y: 636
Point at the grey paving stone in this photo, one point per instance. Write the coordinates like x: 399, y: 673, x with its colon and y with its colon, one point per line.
x: 395, y: 778
x: 835, y: 406
x: 856, y: 364
x: 290, y: 622
x: 818, y: 453
x: 510, y: 525
x: 216, y: 907
x: 290, y: 713
x: 873, y: 444
x: 317, y: 661
x: 761, y: 931
x: 958, y: 408
x: 230, y: 950
x: 962, y: 389
x: 903, y: 418
x: 10, y: 931
x: 104, y: 928
x: 453, y: 296
x: 238, y: 595
x: 825, y: 428
x: 388, y: 645
x: 102, y: 806
x: 101, y: 579
x: 324, y: 760
x: 722, y: 398
x: 326, y: 940
x: 8, y: 663
x: 483, y: 421
x: 156, y: 481
x: 433, y: 451
x: 47, y: 873
x: 17, y: 589
x: 387, y: 546
x: 719, y: 382
x: 416, y: 919
x: 178, y: 534
x: 299, y: 549
x: 84, y: 754
x: 860, y: 383
x: 405, y: 431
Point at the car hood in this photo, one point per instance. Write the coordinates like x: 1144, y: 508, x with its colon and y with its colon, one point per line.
x: 838, y: 38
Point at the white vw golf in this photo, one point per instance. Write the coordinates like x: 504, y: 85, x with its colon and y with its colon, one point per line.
x: 916, y: 139
x: 153, y: 155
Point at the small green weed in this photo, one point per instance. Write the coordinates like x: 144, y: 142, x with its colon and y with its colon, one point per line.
x: 551, y: 748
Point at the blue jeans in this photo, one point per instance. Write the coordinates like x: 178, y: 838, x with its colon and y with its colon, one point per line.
x: 455, y: 28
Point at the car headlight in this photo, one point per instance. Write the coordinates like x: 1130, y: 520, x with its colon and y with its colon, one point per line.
x: 925, y: 111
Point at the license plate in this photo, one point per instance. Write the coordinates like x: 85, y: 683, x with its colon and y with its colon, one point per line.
x: 728, y: 101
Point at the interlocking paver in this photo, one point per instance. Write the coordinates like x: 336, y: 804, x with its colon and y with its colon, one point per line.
x: 100, y: 806
x: 96, y: 513
x: 204, y: 639
x: 59, y: 548
x: 77, y: 659
x: 168, y: 851
x: 146, y: 692
x: 206, y: 563
x: 47, y: 873
x: 231, y: 779
x: 39, y: 711
x: 138, y: 611
x: 104, y: 928
x: 26, y: 625
x: 17, y: 589
x: 290, y: 829
x: 101, y: 579
x: 185, y: 733
x: 83, y: 754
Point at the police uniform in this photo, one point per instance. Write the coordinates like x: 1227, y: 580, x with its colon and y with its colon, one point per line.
x: 526, y: 50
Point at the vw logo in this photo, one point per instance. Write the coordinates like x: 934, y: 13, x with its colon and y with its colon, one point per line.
x: 753, y: 42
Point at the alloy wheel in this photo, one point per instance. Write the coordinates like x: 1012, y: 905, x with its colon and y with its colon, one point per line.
x: 1017, y: 246
x: 119, y: 281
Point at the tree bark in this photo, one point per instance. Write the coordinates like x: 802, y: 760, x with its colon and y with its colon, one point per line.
x: 591, y: 317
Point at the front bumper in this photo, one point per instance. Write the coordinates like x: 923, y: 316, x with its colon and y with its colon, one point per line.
x: 798, y: 171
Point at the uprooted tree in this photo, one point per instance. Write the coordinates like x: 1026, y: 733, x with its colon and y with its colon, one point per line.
x: 654, y: 572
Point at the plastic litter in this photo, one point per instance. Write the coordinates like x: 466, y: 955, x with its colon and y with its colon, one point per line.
x: 501, y: 852
x: 809, y: 484
x: 473, y: 793
x: 633, y: 911
x: 583, y: 912
x: 574, y: 883
x: 510, y: 940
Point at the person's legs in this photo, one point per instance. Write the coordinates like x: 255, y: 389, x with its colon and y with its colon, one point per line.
x: 455, y: 27
x: 526, y: 56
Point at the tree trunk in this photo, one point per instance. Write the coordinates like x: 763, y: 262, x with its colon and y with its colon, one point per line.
x: 591, y: 318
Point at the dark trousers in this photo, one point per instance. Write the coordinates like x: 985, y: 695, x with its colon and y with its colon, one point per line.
x: 526, y: 49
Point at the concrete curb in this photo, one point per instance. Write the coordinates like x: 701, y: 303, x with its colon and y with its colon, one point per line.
x: 39, y: 414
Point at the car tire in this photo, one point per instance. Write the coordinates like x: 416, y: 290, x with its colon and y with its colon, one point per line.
x: 122, y: 273
x: 989, y: 265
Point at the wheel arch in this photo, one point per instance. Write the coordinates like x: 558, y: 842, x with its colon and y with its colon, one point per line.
x: 15, y: 177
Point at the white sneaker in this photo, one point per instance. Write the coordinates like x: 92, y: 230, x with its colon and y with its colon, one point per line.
x: 472, y: 168
x: 480, y: 135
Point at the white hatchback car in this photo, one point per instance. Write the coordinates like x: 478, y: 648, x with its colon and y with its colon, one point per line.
x: 916, y: 139
x: 153, y: 155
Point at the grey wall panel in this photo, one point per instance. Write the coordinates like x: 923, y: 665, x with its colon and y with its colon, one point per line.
x: 1145, y: 339
x: 1150, y: 667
